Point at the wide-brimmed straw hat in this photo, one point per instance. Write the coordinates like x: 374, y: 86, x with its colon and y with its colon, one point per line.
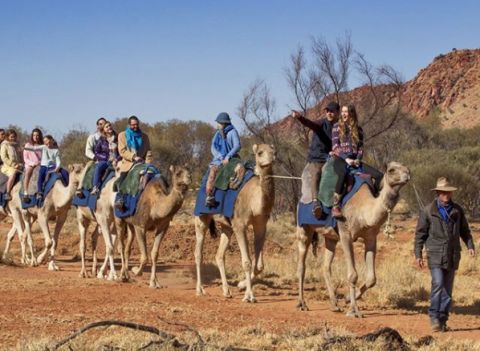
x: 443, y: 184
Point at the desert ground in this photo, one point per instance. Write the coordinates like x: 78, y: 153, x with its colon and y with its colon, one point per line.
x: 39, y: 307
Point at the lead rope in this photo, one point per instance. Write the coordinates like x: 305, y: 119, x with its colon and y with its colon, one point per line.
x: 388, y: 230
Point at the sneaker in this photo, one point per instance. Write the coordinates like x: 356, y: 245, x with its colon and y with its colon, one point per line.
x: 95, y: 190
x: 26, y: 199
x: 39, y: 196
x: 436, y: 325
x: 7, y: 197
x: 337, y: 212
x: 120, y: 205
x: 210, y: 201
x: 79, y: 194
x: 317, y: 210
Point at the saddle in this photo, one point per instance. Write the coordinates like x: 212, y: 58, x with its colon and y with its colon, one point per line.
x: 231, y: 175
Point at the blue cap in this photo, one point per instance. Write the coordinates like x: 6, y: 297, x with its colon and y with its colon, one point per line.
x: 223, y: 117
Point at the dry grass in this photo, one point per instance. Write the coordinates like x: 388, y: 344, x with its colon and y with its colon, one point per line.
x: 254, y: 337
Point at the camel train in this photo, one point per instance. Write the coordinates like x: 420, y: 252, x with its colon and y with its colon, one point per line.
x: 233, y: 209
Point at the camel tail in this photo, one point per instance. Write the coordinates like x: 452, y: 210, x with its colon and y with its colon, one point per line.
x: 212, y: 228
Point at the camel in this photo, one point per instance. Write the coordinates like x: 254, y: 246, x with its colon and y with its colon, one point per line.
x: 155, y: 210
x: 56, y: 205
x: 252, y: 207
x: 364, y: 214
x: 18, y: 226
x: 104, y: 222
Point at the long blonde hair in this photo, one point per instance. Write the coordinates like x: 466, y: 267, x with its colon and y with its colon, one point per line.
x: 352, y: 125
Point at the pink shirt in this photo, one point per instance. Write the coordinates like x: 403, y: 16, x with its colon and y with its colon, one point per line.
x: 32, y: 155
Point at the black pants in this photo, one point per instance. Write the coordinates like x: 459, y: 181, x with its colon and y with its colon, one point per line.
x: 340, y: 167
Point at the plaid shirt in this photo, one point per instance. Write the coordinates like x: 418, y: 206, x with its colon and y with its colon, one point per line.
x: 345, y: 148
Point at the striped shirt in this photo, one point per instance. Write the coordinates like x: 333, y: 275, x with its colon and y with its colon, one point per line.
x: 345, y: 148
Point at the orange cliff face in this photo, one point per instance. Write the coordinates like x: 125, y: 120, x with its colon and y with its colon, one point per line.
x: 451, y: 86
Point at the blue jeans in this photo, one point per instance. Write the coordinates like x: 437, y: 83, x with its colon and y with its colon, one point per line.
x: 100, y: 168
x: 441, y: 294
x: 42, y: 175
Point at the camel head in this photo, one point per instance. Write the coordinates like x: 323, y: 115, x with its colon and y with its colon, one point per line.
x: 397, y: 175
x: 264, y: 155
x: 181, y: 177
x: 75, y: 171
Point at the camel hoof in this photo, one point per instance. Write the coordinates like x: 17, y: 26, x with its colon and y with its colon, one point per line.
x: 354, y: 314
x: 112, y: 276
x: 227, y: 294
x: 52, y: 266
x: 334, y: 307
x: 137, y: 271
x: 302, y: 306
x: 156, y: 285
x: 249, y: 299
x: 94, y: 272
x: 242, y: 285
x: 201, y: 291
x: 83, y: 274
x: 33, y: 262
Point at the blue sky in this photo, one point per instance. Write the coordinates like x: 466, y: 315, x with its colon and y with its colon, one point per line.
x: 65, y: 63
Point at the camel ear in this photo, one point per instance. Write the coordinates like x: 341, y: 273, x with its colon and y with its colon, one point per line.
x: 255, y: 148
x: 171, y: 169
x: 272, y: 146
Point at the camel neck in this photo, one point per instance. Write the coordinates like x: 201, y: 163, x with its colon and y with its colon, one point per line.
x: 63, y: 194
x: 388, y: 197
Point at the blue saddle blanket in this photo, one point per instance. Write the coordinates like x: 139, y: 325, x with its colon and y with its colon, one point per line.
x: 224, y: 199
x: 62, y: 175
x: 88, y: 199
x: 130, y: 201
x: 305, y: 211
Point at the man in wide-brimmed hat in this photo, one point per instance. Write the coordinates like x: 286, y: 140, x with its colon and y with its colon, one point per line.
x: 440, y: 226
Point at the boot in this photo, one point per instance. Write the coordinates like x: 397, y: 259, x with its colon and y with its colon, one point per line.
x: 317, y: 210
x: 336, y: 210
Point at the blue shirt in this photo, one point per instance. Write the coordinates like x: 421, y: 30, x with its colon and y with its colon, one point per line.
x: 225, y: 149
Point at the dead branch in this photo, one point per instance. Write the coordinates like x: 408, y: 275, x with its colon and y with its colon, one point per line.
x: 108, y: 323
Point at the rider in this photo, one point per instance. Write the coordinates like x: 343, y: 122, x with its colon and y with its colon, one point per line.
x: 12, y: 163
x: 347, y: 140
x: 133, y: 147
x: 225, y: 145
x: 106, y: 154
x: 32, y: 155
x: 50, y: 162
x: 318, y: 153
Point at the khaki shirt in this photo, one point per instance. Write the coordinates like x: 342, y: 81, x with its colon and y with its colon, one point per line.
x: 128, y: 155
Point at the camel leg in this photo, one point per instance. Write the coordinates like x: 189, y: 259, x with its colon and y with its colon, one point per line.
x: 352, y: 275
x: 370, y: 278
x: 241, y: 235
x: 220, y: 259
x: 10, y: 236
x: 122, y: 248
x: 105, y: 230
x: 304, y: 239
x: 128, y: 247
x: 43, y: 223
x: 82, y: 229
x: 154, y: 255
x: 330, y: 246
x: 201, y: 226
x: 60, y: 221
x: 259, y: 230
x: 94, y: 239
x: 142, y: 244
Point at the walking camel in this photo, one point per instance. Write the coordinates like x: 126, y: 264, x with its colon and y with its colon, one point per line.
x: 155, y: 210
x: 252, y: 207
x: 103, y: 219
x: 12, y: 209
x: 364, y: 214
x: 56, y: 205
